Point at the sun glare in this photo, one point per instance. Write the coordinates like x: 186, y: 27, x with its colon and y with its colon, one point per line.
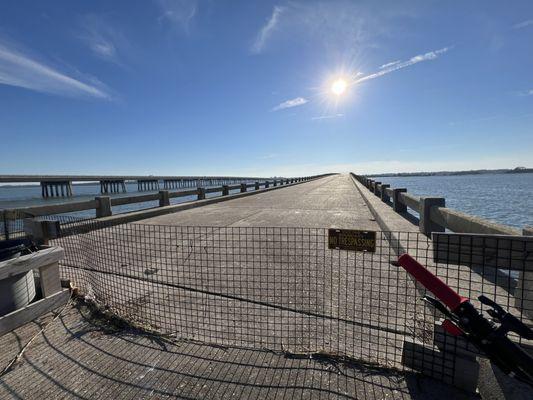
x: 339, y: 86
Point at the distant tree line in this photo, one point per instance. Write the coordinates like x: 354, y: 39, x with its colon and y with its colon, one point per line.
x: 517, y: 170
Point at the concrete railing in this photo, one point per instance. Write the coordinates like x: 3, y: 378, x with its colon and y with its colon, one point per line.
x: 433, y: 214
x: 103, y: 204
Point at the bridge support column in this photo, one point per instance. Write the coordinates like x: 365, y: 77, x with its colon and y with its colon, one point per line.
x: 56, y: 189
x: 112, y: 186
x: 170, y: 184
x: 147, y: 185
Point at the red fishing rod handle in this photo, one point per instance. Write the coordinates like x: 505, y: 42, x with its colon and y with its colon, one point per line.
x: 442, y: 291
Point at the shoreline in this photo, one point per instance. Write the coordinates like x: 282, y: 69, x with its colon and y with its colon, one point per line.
x: 455, y: 173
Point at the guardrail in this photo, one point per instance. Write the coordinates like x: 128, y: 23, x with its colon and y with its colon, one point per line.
x: 103, y: 204
x: 433, y: 214
x: 435, y: 217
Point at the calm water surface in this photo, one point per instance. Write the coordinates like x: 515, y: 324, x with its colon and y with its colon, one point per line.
x: 503, y: 198
x: 27, y: 196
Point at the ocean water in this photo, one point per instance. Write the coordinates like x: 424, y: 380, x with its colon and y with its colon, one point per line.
x: 503, y: 198
x: 27, y: 196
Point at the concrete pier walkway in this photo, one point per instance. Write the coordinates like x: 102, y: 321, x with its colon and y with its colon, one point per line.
x: 283, y: 291
x: 333, y: 201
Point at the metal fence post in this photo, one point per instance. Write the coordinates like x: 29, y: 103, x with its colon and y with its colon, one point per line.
x: 426, y: 225
x: 164, y: 199
x: 524, y: 289
x: 397, y: 204
x: 225, y: 190
x: 103, y: 206
x: 256, y: 185
x: 243, y: 187
x: 6, y: 226
x: 266, y: 184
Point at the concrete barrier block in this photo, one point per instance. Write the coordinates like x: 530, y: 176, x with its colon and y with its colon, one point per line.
x: 376, y: 188
x: 103, y: 206
x: 397, y: 205
x: 41, y: 231
x: 201, y: 193
x: 426, y: 224
x: 164, y: 199
x: 452, y: 368
x: 384, y: 196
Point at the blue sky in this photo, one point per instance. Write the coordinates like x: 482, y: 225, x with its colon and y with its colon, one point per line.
x: 244, y: 87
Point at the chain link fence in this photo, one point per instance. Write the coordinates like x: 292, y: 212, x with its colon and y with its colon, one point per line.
x: 284, y: 290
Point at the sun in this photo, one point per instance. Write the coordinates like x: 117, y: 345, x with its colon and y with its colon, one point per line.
x: 339, y: 86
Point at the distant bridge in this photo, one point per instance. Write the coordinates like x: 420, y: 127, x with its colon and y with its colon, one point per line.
x: 61, y: 185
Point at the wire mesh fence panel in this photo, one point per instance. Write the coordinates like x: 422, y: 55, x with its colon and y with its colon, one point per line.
x: 281, y: 289
x: 12, y: 224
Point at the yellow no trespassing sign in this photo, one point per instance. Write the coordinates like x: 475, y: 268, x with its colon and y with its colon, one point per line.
x: 351, y: 239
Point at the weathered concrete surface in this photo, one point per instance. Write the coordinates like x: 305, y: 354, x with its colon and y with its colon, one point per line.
x: 492, y: 383
x: 81, y: 357
x: 177, y: 281
x: 327, y: 202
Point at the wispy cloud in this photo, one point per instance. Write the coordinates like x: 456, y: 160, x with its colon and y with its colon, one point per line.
x: 523, y: 93
x: 180, y: 13
x: 298, y: 101
x: 267, y: 29
x: 269, y: 156
x: 345, y: 28
x: 523, y: 24
x: 104, y: 40
x: 432, y: 55
x: 327, y: 116
x: 390, y: 64
x: 17, y: 68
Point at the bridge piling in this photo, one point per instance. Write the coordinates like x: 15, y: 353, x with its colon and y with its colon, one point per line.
x: 56, y: 189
